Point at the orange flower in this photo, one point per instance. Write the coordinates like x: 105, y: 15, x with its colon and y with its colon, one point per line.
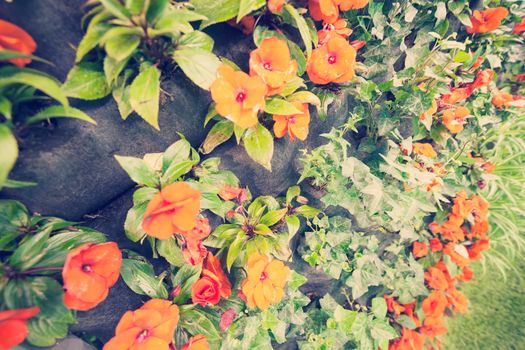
x: 393, y: 305
x: 229, y: 192
x: 502, y: 99
x: 238, y: 96
x: 475, y: 250
x: 424, y: 149
x: 519, y: 26
x: 273, y: 63
x: 149, y: 327
x: 487, y: 20
x: 456, y: 95
x: 478, y: 63
x: 457, y: 253
x: 13, y: 326
x: 466, y: 275
x: 483, y: 78
x: 429, y: 112
x: 453, y: 119
x: 520, y: 77
x: 435, y: 245
x: 265, y: 282
x: 200, y: 231
x: 409, y: 311
x: 324, y: 10
x: 193, y: 252
x: 410, y: 340
x: 436, y: 278
x: 419, y: 249
x: 488, y: 166
x: 275, y: 6
x: 172, y: 210
x: 296, y: 124
x: 332, y: 62
x: 457, y: 301
x: 433, y: 327
x: 213, y: 265
x: 89, y: 271
x: 197, y: 342
x: 14, y: 38
x: 345, y: 5
x: 206, y: 290
x: 331, y: 29
x: 357, y: 44
x: 435, y: 304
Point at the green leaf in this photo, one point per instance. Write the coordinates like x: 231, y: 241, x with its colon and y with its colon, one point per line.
x: 198, y: 65
x: 170, y: 250
x: 156, y: 9
x: 60, y: 112
x: 292, y: 193
x: 40, y: 81
x: 177, y: 152
x: 144, y: 94
x: 176, y: 170
x: 263, y: 230
x: 379, y: 307
x: 304, y: 97
x: 116, y: 9
x: 280, y: 107
x: 140, y: 278
x: 30, y: 252
x: 113, y: 68
x: 121, y: 94
x: 219, y: 133
x: 258, y: 142
x: 301, y: 24
x: 295, y: 280
x: 293, y: 224
x: 216, y: 11
x: 307, y: 211
x: 196, y: 321
x: 273, y: 217
x: 6, y: 107
x: 138, y: 170
x: 185, y: 277
x: 87, y: 82
x: 91, y: 40
x: 247, y: 6
x: 196, y: 40
x: 123, y: 45
x: 235, y: 248
x: 8, y: 54
x: 9, y: 154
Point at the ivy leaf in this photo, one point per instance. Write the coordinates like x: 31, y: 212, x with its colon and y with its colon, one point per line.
x: 87, y: 82
x: 9, y: 148
x: 379, y: 307
x: 258, y: 142
x: 144, y: 94
x: 199, y: 65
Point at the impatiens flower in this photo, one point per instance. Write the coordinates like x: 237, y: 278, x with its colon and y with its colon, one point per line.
x: 238, y: 96
x: 435, y: 304
x: 265, y: 282
x: 466, y: 275
x: 457, y: 301
x: 457, y: 253
x: 200, y: 231
x: 424, y: 149
x: 426, y: 116
x: 89, y: 271
x: 478, y: 63
x: 436, y: 278
x: 332, y: 62
x: 339, y: 27
x: 488, y: 166
x: 393, y: 305
x: 13, y: 326
x: 273, y: 63
x: 519, y: 26
x: 227, y: 319
x: 206, y: 290
x: 345, y: 5
x: 14, y: 38
x: 433, y: 327
x: 296, y: 125
x: 483, y: 78
x: 456, y: 95
x: 324, y: 10
x: 213, y: 264
x: 435, y: 245
x: 410, y: 340
x: 229, y: 192
x: 504, y: 99
x: 520, y: 77
x: 475, y: 250
x: 193, y: 252
x: 453, y: 119
x: 487, y: 20
x: 149, y: 327
x: 172, y: 210
x: 357, y: 44
x: 419, y: 249
x: 275, y: 6
x: 197, y: 342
